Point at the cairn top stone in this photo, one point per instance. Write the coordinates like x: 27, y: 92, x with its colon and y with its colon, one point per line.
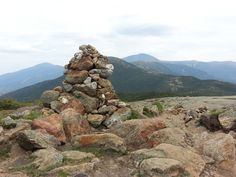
x: 88, y: 58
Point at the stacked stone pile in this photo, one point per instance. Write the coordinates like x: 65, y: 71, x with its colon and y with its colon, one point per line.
x: 88, y: 91
x: 87, y: 72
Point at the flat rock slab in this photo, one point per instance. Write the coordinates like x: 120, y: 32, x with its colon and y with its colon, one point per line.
x: 78, y: 156
x: 104, y: 141
x: 162, y: 167
x: 52, y: 124
x: 47, y: 158
x: 136, y: 132
x: 73, y: 169
x: 33, y: 140
x: 191, y: 161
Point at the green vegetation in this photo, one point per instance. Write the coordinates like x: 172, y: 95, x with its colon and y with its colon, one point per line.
x: 217, y: 111
x: 33, y: 115
x: 4, y: 151
x: 134, y: 115
x: 149, y: 113
x: 98, y: 152
x: 4, y: 113
x: 31, y: 170
x: 67, y: 161
x: 159, y: 106
x: 9, y: 104
x: 63, y: 174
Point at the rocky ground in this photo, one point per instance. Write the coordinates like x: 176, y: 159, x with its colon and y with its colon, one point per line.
x: 83, y: 130
x: 158, y: 144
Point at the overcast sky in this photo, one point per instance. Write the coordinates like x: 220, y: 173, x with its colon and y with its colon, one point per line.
x: 36, y: 31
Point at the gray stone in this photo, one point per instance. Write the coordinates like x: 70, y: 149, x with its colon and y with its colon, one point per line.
x: 46, y: 159
x: 33, y: 140
x: 88, y: 80
x: 101, y: 63
x: 8, y: 123
x: 117, y: 117
x: 174, y: 136
x: 89, y: 89
x: 228, y: 119
x: 113, y: 102
x: 162, y: 167
x: 77, y: 170
x: 95, y: 119
x: 107, y: 110
x: 103, y: 73
x: 110, y: 67
x: 55, y: 105
x: 138, y: 156
x: 49, y: 96
x: 78, y: 156
x: 90, y: 103
x: 193, y: 162
x: 67, y: 87
x: 220, y: 147
x: 24, y: 111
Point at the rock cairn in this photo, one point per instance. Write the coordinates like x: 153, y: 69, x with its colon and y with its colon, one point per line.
x: 87, y: 72
x: 88, y: 91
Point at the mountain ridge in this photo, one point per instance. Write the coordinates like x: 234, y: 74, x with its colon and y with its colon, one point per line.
x: 29, y: 76
x: 128, y: 78
x: 223, y: 71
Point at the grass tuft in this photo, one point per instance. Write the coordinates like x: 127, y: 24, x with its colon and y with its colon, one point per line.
x: 134, y: 115
x: 159, y: 106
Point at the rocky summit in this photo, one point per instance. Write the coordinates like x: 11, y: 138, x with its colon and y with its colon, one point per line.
x: 82, y: 129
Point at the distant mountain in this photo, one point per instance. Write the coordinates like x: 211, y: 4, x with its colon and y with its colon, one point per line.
x: 225, y: 70
x: 172, y: 68
x: 23, y: 78
x: 128, y: 78
x: 140, y: 57
x: 185, y: 70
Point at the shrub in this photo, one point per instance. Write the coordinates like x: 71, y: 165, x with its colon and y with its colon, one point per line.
x: 8, y: 104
